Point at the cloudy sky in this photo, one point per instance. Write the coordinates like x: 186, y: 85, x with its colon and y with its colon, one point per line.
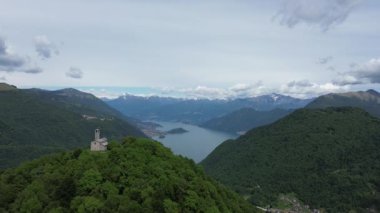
x: 198, y: 48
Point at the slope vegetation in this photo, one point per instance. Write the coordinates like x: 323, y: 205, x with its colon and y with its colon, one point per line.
x: 245, y: 119
x: 35, y: 122
x: 329, y: 158
x: 137, y: 175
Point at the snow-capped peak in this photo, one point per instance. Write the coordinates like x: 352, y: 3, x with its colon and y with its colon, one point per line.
x: 275, y: 96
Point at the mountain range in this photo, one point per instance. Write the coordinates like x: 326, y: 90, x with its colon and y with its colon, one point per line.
x: 34, y: 122
x: 247, y: 118
x: 198, y: 111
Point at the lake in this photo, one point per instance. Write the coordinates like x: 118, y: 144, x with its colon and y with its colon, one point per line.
x: 196, y: 144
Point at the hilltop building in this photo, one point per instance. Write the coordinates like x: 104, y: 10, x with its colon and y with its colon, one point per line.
x: 99, y: 144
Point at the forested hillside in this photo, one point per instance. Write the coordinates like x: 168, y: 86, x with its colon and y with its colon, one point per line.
x: 329, y: 158
x: 35, y: 122
x: 137, y: 175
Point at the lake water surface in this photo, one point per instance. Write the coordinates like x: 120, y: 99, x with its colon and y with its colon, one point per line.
x: 196, y: 144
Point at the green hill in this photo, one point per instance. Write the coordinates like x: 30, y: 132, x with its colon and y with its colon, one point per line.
x: 35, y: 122
x: 329, y: 158
x: 368, y: 100
x: 137, y: 175
x: 76, y: 101
x: 6, y: 87
x: 245, y: 119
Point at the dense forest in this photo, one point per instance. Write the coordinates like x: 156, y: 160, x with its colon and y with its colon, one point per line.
x: 36, y: 122
x: 329, y: 158
x: 137, y: 175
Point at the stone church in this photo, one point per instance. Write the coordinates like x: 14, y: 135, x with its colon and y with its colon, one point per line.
x: 99, y: 144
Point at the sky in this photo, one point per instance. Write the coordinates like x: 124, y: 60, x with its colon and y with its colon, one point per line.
x: 197, y: 48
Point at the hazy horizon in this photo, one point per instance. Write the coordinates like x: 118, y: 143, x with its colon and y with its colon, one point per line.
x: 116, y: 92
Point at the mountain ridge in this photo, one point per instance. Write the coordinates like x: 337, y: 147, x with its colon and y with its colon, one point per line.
x: 367, y: 100
x: 6, y: 87
x: 244, y: 119
x: 197, y: 111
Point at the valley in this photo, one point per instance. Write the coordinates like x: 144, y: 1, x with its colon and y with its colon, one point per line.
x: 283, y: 153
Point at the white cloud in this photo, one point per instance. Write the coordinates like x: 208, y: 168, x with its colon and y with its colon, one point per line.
x: 44, y: 47
x: 323, y: 13
x: 10, y: 62
x: 367, y: 73
x: 299, y: 89
x: 3, y: 78
x: 325, y: 60
x: 204, y: 92
x: 248, y: 90
x: 101, y: 92
x: 33, y: 70
x: 305, y: 88
x: 74, y: 72
x: 240, y: 87
x: 239, y: 90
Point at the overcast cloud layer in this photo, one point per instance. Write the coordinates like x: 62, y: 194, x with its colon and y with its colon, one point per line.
x: 202, y: 49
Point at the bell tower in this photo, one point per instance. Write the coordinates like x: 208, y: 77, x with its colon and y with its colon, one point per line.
x: 97, y: 134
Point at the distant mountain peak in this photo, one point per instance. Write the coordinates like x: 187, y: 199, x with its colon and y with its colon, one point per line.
x: 7, y: 87
x: 275, y: 96
x: 71, y: 92
x: 368, y: 100
x: 125, y: 95
x: 373, y: 92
